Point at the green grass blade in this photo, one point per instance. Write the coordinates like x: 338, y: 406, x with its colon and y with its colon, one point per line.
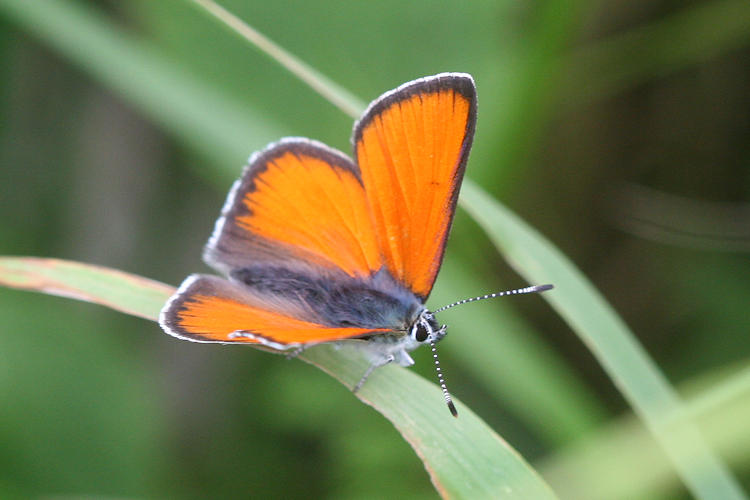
x: 327, y: 88
x: 117, y: 290
x: 608, y: 338
x: 463, y: 456
x: 194, y: 111
x: 531, y: 94
x: 577, y: 471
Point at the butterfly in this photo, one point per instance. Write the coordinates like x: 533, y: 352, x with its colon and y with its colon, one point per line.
x: 318, y: 247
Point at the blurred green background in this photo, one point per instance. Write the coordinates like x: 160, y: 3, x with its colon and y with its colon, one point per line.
x: 618, y: 129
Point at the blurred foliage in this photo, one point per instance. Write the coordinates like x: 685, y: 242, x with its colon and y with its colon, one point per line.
x: 579, y: 101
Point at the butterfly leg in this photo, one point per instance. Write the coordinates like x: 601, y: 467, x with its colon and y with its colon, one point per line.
x: 440, y: 334
x: 296, y: 352
x: 382, y: 362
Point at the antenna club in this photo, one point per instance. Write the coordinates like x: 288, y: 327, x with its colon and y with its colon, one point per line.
x: 452, y: 408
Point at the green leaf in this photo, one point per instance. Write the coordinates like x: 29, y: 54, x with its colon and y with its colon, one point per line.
x: 327, y: 88
x: 195, y: 111
x: 722, y: 409
x: 117, y: 290
x: 464, y: 457
x: 610, y: 340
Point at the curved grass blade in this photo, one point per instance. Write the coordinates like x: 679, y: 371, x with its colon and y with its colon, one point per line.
x: 463, y: 456
x: 610, y: 340
x: 722, y: 410
x: 196, y: 112
x: 327, y: 88
x: 115, y: 289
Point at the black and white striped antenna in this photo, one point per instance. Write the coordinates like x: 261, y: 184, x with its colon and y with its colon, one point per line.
x: 446, y: 394
x: 517, y: 291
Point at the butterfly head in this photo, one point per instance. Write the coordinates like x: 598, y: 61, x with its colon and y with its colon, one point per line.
x: 426, y: 329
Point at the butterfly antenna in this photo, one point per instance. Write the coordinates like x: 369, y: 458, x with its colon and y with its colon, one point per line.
x: 517, y: 291
x: 446, y: 394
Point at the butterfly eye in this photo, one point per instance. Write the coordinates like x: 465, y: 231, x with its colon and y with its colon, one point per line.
x: 420, y: 332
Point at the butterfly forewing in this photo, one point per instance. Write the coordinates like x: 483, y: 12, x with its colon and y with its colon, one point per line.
x: 411, y: 147
x: 298, y: 203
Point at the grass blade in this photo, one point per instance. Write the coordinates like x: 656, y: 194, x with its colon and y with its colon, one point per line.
x: 194, y: 111
x: 722, y: 411
x: 609, y: 339
x: 330, y: 90
x: 463, y: 456
x: 117, y: 290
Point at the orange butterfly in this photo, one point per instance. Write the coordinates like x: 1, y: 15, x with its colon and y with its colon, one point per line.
x: 320, y: 248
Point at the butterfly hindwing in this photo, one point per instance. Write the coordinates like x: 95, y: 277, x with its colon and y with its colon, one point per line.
x: 411, y: 146
x: 212, y: 309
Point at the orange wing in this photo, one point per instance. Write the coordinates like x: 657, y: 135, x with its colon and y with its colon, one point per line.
x: 211, y: 309
x: 297, y: 203
x: 411, y: 146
